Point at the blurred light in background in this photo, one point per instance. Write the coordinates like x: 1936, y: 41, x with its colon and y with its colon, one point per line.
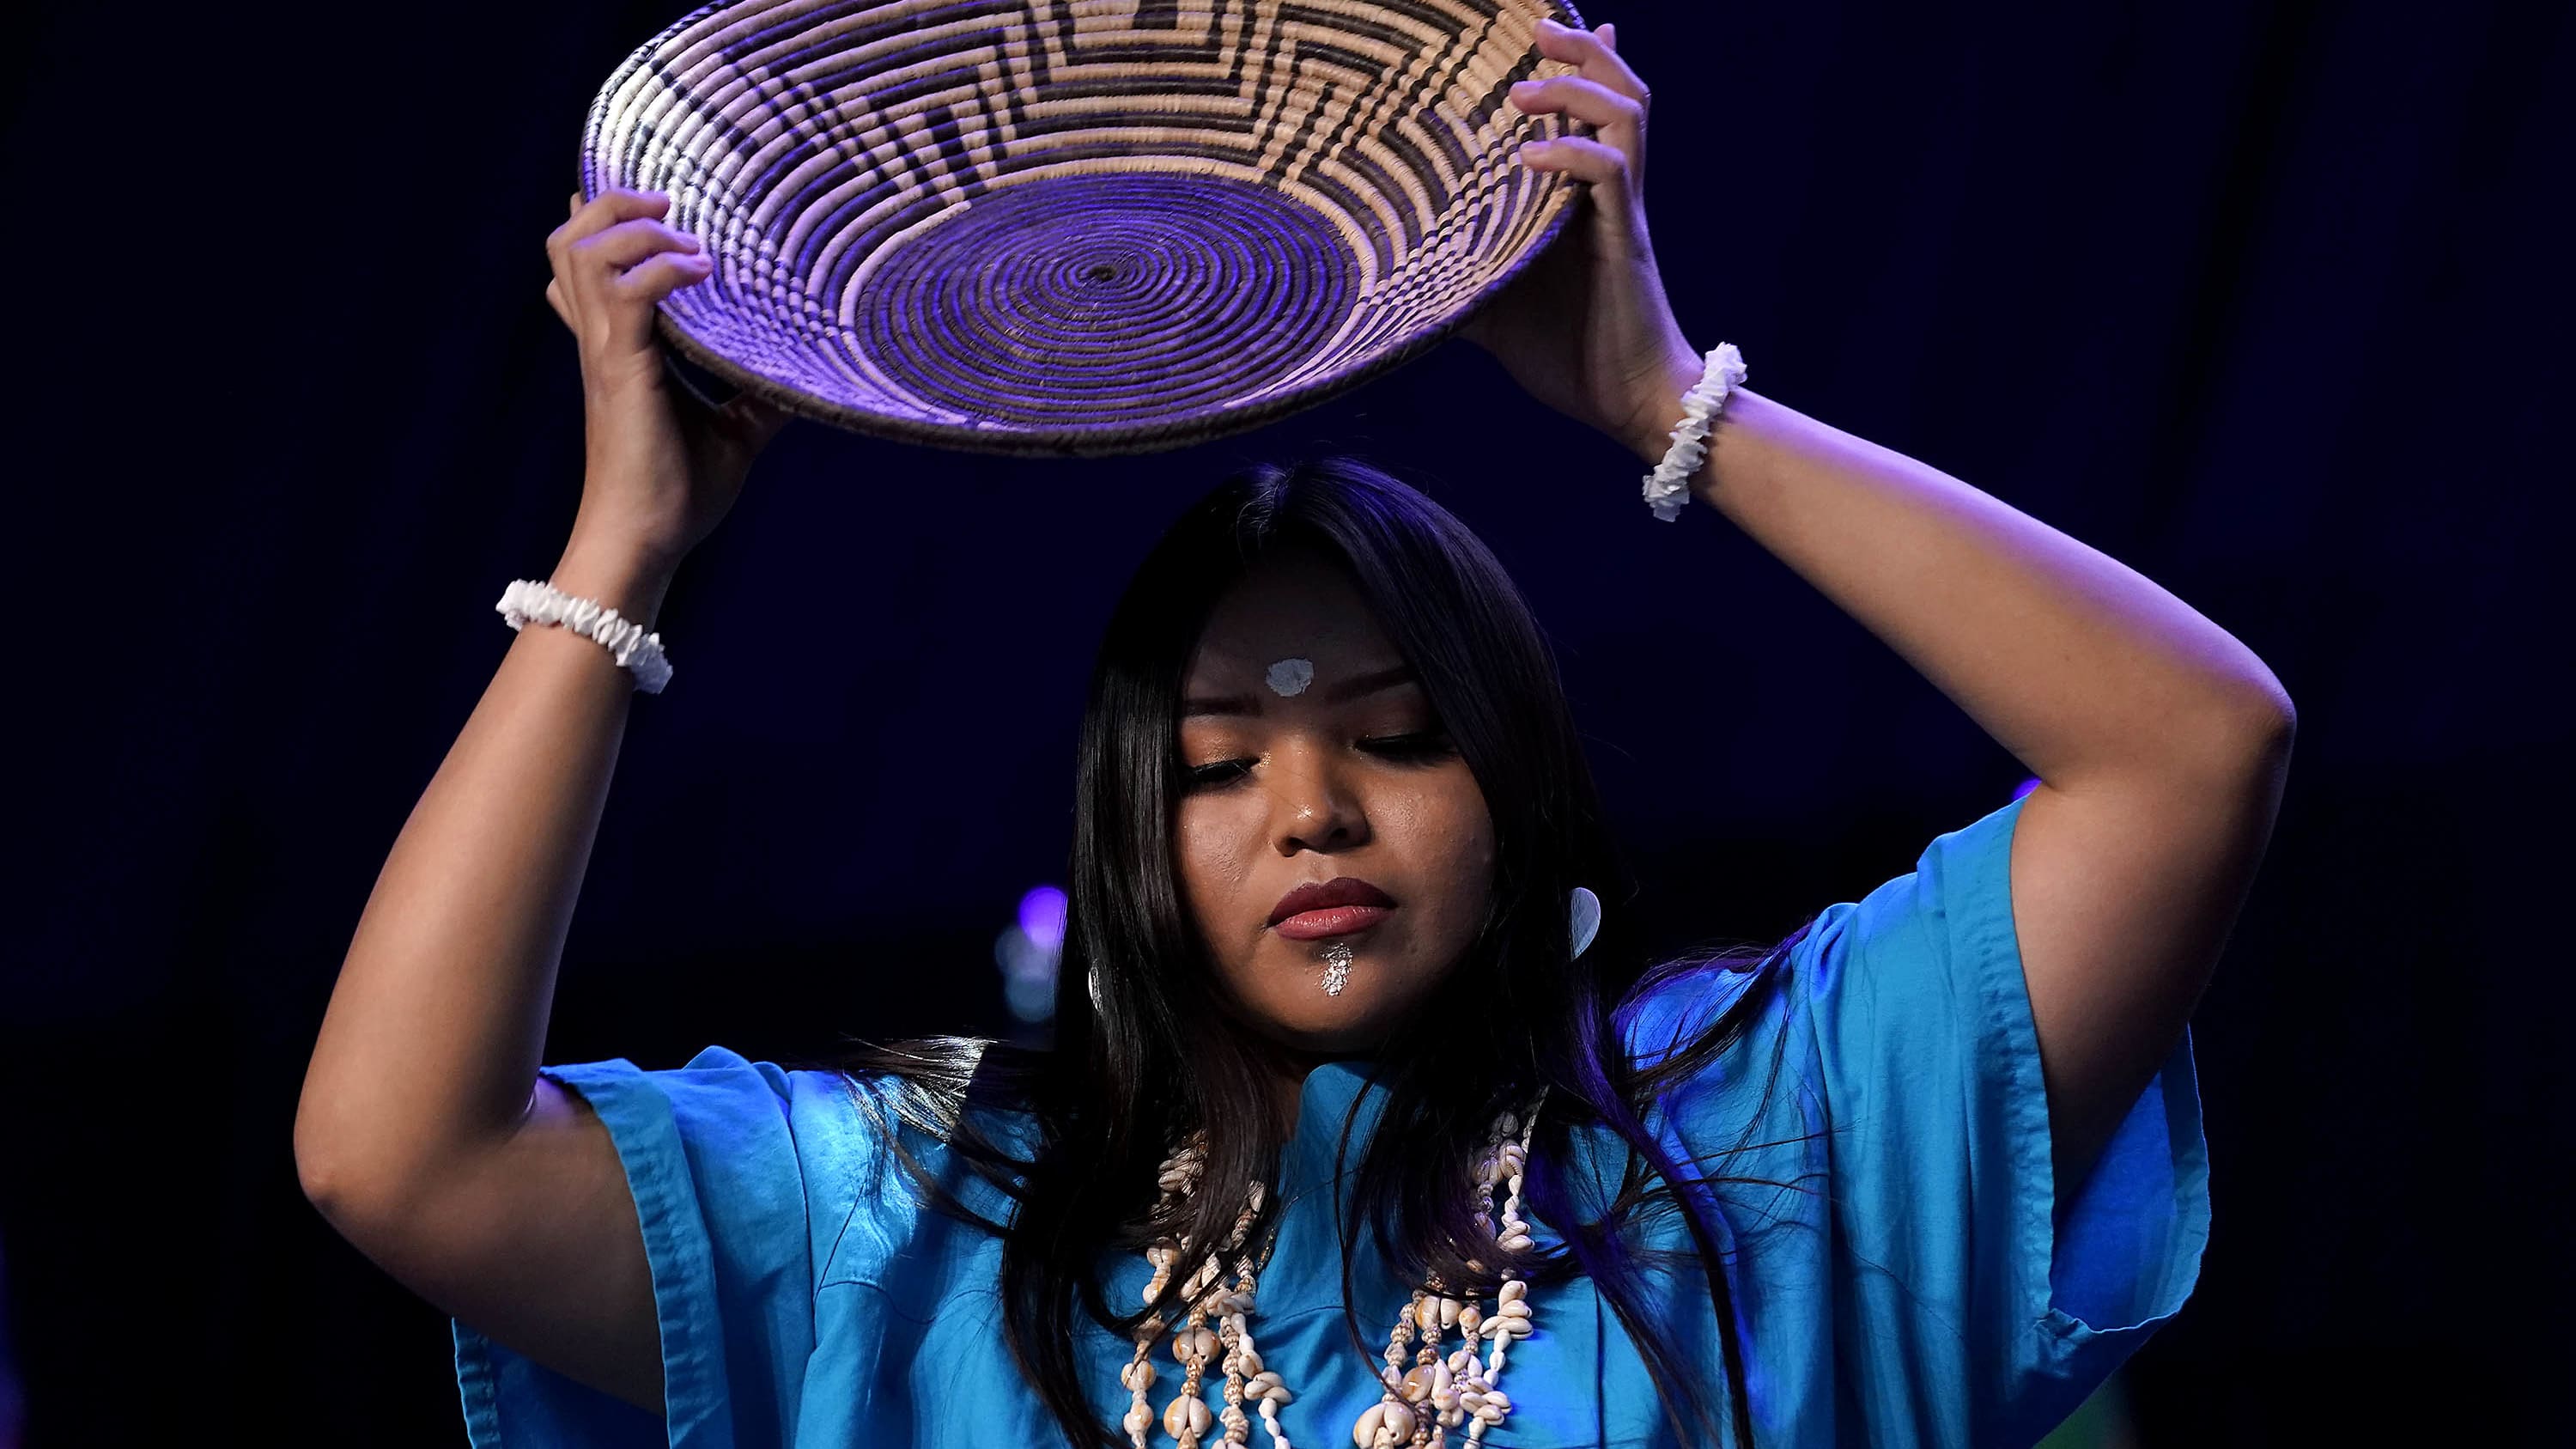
x: 2025, y: 787
x: 1042, y: 917
x: 1027, y: 951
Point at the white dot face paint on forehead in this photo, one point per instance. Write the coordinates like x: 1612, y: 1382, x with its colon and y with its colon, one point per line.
x: 1290, y: 676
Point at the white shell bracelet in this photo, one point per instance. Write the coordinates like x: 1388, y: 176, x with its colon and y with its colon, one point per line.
x: 635, y: 651
x: 1667, y: 487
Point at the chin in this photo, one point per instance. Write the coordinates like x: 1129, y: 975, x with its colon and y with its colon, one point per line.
x: 1293, y: 1010
x: 1329, y: 1027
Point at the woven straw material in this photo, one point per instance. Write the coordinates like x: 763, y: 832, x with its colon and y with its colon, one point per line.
x: 1081, y: 227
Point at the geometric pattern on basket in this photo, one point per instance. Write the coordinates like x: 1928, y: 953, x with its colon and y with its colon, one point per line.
x: 1081, y: 227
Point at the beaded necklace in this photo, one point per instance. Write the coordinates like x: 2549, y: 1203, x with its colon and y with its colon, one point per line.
x: 1418, y: 1407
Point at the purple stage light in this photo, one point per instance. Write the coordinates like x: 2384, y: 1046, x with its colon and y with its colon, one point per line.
x: 1042, y: 916
x: 2025, y: 787
x: 1027, y: 952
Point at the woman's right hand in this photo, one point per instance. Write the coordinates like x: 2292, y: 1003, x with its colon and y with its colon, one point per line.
x: 662, y: 467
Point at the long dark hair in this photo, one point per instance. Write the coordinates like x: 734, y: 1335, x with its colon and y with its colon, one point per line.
x: 1132, y: 1066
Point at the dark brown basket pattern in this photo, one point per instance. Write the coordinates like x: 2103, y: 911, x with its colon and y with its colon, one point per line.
x: 1081, y: 228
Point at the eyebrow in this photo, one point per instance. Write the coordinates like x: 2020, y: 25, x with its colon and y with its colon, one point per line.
x: 1348, y: 689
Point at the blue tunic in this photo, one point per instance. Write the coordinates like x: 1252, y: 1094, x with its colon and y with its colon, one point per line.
x: 1904, y: 1286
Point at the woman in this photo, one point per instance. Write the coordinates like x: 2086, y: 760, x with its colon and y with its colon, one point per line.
x: 1335, y: 1046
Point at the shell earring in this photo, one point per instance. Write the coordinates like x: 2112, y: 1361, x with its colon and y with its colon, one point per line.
x: 1585, y: 908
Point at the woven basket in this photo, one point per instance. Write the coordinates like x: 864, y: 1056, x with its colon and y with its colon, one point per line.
x: 1081, y: 227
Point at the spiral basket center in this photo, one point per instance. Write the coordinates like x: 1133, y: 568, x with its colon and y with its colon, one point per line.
x: 1095, y: 296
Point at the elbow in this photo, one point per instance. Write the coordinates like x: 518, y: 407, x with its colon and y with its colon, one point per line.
x: 318, y: 1173
x: 2234, y: 738
x: 2249, y: 738
x: 346, y: 1195
x: 2268, y: 723
x: 358, y: 1206
x: 2266, y: 705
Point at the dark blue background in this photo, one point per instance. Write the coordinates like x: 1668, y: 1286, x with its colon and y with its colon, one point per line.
x: 2264, y: 300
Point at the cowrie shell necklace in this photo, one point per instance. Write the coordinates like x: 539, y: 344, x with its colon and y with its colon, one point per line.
x: 1442, y: 1391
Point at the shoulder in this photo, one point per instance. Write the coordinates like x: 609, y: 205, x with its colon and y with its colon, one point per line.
x: 1900, y: 938
x: 1927, y: 961
x: 844, y: 1156
x: 1677, y: 1004
x: 812, y: 1121
x: 938, y: 1135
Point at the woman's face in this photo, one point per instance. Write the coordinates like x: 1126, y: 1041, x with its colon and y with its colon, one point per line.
x: 1310, y: 756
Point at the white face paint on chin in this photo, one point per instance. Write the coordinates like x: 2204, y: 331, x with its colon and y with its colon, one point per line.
x: 1337, y: 967
x: 1290, y: 676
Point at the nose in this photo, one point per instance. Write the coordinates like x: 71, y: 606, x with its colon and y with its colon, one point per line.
x: 1314, y: 805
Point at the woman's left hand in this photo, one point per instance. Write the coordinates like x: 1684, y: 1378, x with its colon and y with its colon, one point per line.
x: 1585, y: 327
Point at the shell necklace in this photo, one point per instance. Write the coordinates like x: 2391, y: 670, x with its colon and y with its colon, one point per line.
x: 1418, y: 1408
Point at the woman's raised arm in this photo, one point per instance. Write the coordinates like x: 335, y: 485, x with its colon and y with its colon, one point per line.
x: 2160, y: 741
x: 424, y: 1133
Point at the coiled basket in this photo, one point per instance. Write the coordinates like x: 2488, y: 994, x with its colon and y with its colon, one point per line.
x: 1081, y: 227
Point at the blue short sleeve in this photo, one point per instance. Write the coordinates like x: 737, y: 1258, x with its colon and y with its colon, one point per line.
x: 732, y: 1163
x: 1961, y: 1299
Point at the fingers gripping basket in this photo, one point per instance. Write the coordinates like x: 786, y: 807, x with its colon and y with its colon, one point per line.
x: 1081, y: 227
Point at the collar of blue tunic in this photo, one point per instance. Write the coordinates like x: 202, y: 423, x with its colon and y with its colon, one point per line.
x: 1325, y: 1103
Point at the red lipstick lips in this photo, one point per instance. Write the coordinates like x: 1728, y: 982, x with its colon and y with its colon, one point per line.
x: 1330, y: 908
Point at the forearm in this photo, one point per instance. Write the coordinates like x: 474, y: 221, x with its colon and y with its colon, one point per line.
x: 2080, y: 666
x: 432, y: 1038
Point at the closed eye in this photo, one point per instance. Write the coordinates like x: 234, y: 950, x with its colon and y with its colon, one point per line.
x: 1420, y: 747
x: 1219, y: 772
